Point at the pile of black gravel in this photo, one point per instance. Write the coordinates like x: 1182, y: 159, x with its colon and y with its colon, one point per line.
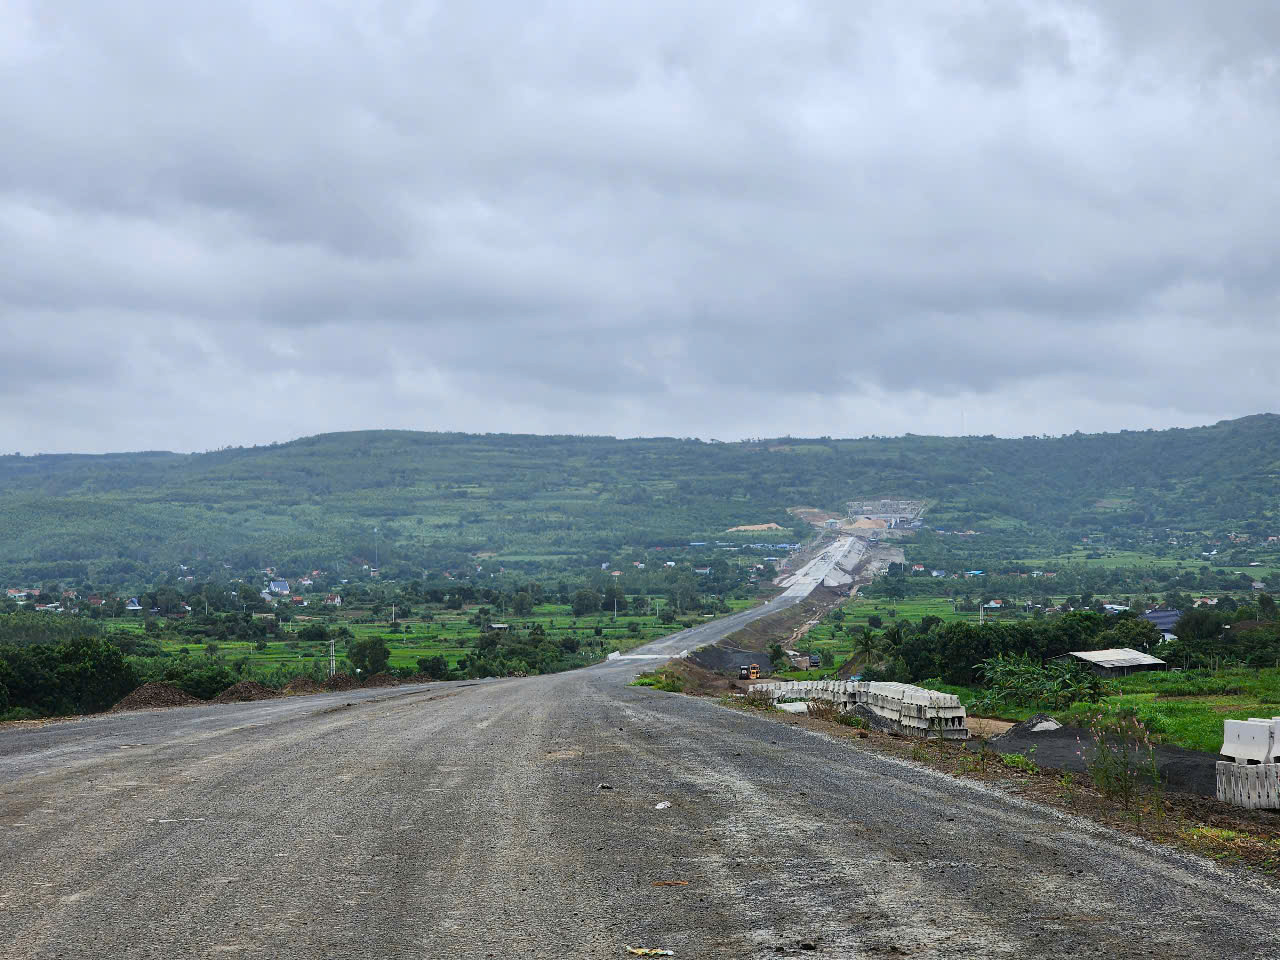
x: 1068, y: 748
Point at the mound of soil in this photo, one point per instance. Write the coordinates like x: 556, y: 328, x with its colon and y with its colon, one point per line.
x: 151, y: 695
x: 244, y: 691
x: 382, y: 680
x: 302, y: 685
x: 725, y: 659
x: 341, y: 681
x: 1036, y: 723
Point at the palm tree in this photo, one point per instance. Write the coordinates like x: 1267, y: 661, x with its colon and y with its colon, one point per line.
x: 867, y: 644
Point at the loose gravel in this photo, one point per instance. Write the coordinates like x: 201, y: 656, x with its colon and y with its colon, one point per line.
x: 468, y: 820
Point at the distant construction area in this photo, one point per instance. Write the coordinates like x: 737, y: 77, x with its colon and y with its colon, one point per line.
x: 884, y: 513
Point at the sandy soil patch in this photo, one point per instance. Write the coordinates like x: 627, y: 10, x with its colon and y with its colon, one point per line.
x: 988, y: 727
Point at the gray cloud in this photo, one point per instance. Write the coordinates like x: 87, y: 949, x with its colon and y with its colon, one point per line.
x: 246, y: 222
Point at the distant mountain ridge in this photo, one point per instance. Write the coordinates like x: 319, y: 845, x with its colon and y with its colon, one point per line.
x: 548, y: 501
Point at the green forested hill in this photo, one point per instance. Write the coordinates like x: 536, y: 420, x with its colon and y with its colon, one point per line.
x: 547, y: 502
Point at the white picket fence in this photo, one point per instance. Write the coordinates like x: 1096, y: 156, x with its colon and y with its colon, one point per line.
x: 902, y: 708
x: 1251, y: 779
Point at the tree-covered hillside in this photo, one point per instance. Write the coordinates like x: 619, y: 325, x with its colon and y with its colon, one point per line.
x: 438, y: 500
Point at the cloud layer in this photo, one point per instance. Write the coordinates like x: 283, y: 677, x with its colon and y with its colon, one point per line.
x: 247, y: 222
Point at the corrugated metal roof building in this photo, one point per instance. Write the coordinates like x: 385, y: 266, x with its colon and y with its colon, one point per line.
x: 1115, y: 663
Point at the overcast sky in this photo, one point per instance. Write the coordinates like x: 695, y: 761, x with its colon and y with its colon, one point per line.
x: 232, y: 223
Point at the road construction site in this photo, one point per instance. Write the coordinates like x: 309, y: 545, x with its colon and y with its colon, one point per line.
x: 570, y: 815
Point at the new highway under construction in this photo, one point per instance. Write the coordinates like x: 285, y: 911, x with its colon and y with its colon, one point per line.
x: 570, y: 815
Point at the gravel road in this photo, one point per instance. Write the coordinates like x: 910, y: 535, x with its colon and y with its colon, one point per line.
x: 446, y: 820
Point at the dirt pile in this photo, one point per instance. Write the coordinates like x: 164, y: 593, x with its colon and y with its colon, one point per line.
x: 382, y: 680
x: 151, y: 695
x: 1036, y: 723
x: 244, y: 691
x: 341, y: 681
x: 302, y: 685
x: 726, y: 659
x: 701, y: 682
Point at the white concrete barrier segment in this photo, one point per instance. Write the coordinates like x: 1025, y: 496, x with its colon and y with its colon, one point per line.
x: 1252, y: 778
x: 1254, y: 786
x: 1248, y: 740
x: 900, y: 707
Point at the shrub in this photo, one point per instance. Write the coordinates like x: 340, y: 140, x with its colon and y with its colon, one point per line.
x: 435, y: 667
x: 823, y: 710
x: 1022, y: 681
x: 370, y: 655
x: 1020, y: 761
x: 1121, y: 760
x: 660, y: 680
x: 200, y: 678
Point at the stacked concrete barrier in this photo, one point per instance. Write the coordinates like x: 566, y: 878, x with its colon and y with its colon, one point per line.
x: 1251, y: 779
x: 894, y: 707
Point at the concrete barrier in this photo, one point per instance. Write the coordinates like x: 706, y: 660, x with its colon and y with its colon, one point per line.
x: 1256, y: 739
x: 1254, y: 786
x: 895, y: 707
x: 1251, y: 779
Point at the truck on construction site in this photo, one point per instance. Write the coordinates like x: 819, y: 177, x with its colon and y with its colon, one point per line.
x: 749, y: 671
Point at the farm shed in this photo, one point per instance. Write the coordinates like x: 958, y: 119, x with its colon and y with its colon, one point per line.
x: 1114, y: 663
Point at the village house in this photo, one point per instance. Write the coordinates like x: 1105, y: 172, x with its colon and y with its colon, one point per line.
x: 1113, y: 663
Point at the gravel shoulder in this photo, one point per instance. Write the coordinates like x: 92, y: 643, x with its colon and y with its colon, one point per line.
x: 452, y: 820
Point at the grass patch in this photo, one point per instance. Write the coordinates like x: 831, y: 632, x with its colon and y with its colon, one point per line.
x: 663, y: 680
x: 1183, y: 709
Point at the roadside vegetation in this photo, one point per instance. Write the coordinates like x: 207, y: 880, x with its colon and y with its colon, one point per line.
x: 52, y: 665
x: 1004, y: 668
x: 1184, y: 709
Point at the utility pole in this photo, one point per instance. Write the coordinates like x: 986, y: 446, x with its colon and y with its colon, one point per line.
x: 375, y: 548
x: 333, y: 668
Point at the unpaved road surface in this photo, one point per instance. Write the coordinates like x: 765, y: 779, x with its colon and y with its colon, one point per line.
x: 446, y: 821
